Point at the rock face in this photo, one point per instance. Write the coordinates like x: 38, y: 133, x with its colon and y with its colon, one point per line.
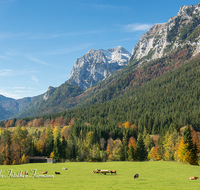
x: 96, y: 65
x: 162, y: 39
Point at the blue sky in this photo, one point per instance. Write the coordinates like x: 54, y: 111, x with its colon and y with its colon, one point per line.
x: 41, y: 39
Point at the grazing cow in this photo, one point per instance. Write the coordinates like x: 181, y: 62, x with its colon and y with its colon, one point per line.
x: 57, y: 172
x: 45, y: 172
x: 136, y: 176
x: 193, y: 178
x: 95, y: 172
x: 64, y: 168
x: 104, y: 171
x: 113, y: 171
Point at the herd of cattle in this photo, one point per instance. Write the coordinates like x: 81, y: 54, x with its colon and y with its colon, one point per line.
x: 26, y: 173
x: 104, y: 171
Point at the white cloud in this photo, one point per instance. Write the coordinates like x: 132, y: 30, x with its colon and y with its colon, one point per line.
x: 15, y: 92
x: 137, y: 27
x: 3, y: 57
x: 35, y: 79
x: 5, y: 72
x: 38, y: 61
x: 9, y: 72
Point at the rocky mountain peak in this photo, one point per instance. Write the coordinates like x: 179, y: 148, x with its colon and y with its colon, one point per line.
x: 96, y: 65
x: 50, y: 91
x: 162, y: 39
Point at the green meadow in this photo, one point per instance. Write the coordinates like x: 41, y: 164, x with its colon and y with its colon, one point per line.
x: 152, y: 175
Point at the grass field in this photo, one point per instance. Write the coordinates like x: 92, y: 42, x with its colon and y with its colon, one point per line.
x: 153, y: 175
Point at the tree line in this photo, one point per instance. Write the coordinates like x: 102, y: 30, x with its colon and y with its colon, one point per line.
x: 86, y: 143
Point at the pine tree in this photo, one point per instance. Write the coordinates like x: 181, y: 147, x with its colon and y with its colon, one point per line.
x: 187, y: 137
x: 57, y: 149
x: 50, y: 141
x: 131, y: 153
x: 191, y: 149
x: 122, y: 153
x: 64, y: 148
x: 141, y: 150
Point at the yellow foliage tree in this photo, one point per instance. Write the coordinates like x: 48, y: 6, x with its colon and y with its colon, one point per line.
x: 57, y: 132
x: 183, y: 153
x: 126, y: 125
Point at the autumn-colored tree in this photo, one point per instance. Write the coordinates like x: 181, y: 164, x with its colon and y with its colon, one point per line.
x: 5, y: 148
x: 20, y: 122
x: 183, y: 153
x: 126, y: 125
x: 154, y: 155
x: 51, y: 123
x: 71, y: 122
x: 187, y: 151
x: 41, y: 145
x: 30, y: 124
x: 39, y: 122
x: 21, y: 141
x: 90, y: 139
x: 59, y: 121
x: 109, y: 146
x: 94, y: 153
x: 57, y: 132
x: 117, y: 145
x: 132, y: 149
x: 34, y: 122
x: 66, y: 131
x: 169, y: 147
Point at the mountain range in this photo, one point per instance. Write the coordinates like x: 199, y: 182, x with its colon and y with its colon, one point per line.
x: 94, y: 76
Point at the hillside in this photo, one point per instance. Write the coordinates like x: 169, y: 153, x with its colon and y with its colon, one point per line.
x: 54, y: 100
x: 162, y: 48
x: 11, y: 106
x: 172, y: 97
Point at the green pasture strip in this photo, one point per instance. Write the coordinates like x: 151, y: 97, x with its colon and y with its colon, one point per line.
x: 152, y: 175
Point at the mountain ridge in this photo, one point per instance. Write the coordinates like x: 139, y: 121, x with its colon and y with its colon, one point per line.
x: 162, y: 39
x: 96, y: 65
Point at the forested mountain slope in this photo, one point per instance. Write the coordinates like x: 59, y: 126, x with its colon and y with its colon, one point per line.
x: 173, y: 97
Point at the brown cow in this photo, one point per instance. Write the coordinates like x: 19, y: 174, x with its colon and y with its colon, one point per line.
x: 193, y: 178
x: 113, y: 171
x: 25, y: 173
x: 136, y: 176
x: 104, y: 171
x: 57, y: 172
x: 45, y: 172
